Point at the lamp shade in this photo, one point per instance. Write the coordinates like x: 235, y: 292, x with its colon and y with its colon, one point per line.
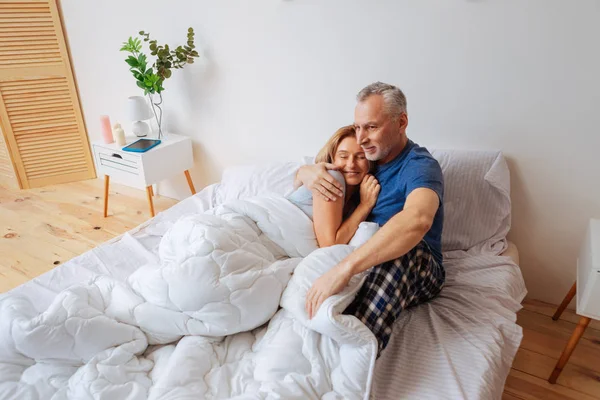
x: 138, y: 109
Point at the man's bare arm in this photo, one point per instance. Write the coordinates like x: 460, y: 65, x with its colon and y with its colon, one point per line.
x: 399, y: 235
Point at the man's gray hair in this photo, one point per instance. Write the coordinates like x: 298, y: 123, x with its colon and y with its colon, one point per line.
x: 393, y: 98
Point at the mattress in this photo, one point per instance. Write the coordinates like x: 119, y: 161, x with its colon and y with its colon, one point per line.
x: 460, y: 345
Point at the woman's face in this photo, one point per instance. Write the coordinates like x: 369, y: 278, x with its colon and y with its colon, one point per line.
x: 350, y: 157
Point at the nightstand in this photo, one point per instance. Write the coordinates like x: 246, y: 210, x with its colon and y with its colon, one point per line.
x: 587, y: 288
x: 141, y: 170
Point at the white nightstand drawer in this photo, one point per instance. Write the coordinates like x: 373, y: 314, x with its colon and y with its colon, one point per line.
x: 118, y: 161
x: 121, y: 166
x: 173, y: 156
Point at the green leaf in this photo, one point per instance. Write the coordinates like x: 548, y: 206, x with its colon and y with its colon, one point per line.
x: 167, y: 73
x: 132, y: 61
x: 190, y: 29
x: 140, y: 84
x: 141, y: 32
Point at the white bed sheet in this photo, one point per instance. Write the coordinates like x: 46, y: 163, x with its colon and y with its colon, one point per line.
x: 460, y: 345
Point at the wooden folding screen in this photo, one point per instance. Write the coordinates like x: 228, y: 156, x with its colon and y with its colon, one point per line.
x: 44, y: 135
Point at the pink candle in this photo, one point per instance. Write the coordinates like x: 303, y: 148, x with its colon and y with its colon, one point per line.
x: 107, y: 135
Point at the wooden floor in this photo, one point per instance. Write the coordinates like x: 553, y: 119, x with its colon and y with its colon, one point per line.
x: 42, y: 228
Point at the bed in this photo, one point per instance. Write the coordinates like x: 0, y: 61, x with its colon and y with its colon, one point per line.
x: 460, y: 345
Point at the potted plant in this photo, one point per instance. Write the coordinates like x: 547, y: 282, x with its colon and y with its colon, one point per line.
x: 151, y: 78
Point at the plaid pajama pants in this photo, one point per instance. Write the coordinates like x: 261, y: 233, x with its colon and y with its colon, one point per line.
x: 393, y: 286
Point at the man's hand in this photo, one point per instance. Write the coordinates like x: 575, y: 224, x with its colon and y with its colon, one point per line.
x: 332, y: 282
x: 319, y: 181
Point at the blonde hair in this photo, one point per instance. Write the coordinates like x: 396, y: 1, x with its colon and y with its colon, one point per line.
x: 327, y: 153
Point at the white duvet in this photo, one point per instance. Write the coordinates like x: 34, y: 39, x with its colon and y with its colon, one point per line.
x: 219, y: 315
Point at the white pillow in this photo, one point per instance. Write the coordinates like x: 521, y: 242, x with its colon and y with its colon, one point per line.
x: 243, y: 181
x: 477, y: 207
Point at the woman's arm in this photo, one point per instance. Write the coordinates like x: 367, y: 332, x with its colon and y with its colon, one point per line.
x: 327, y: 215
x: 350, y: 225
x: 327, y: 218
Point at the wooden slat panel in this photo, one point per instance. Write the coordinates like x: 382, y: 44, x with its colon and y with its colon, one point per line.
x: 47, y: 141
x: 26, y: 14
x: 47, y: 145
x: 56, y: 150
x: 33, y: 81
x: 24, y: 4
x: 30, y: 128
x: 49, y: 170
x: 40, y: 106
x: 28, y: 40
x: 57, y: 115
x: 43, y: 29
x: 38, y: 100
x: 21, y: 24
x: 34, y: 94
x: 49, y: 62
x: 48, y: 160
x: 46, y: 111
x: 14, y: 51
x: 9, y: 88
x: 48, y: 133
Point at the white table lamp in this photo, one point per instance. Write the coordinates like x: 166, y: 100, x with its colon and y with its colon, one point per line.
x: 138, y: 110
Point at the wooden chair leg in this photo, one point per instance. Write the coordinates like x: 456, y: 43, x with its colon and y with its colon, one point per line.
x: 565, y: 302
x: 566, y: 354
x: 149, y: 193
x: 106, y: 183
x: 189, y: 181
x: 151, y: 190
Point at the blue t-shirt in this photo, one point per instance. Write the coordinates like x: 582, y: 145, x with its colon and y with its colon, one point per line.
x: 413, y: 168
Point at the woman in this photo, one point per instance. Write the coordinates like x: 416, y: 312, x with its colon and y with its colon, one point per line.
x: 336, y: 222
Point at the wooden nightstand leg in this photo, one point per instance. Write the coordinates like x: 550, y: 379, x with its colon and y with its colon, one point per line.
x: 565, y: 302
x: 189, y: 180
x: 566, y: 354
x: 106, y: 182
x: 149, y: 192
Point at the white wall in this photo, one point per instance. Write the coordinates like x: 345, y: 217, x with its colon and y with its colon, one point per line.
x: 278, y: 77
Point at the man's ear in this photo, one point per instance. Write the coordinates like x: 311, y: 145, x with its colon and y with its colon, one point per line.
x: 403, y: 122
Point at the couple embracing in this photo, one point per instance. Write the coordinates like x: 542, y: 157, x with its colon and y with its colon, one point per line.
x: 371, y: 172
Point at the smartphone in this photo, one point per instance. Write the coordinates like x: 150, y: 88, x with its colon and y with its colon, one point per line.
x: 142, y: 145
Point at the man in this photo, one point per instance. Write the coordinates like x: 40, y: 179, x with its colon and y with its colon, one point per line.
x: 404, y: 257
